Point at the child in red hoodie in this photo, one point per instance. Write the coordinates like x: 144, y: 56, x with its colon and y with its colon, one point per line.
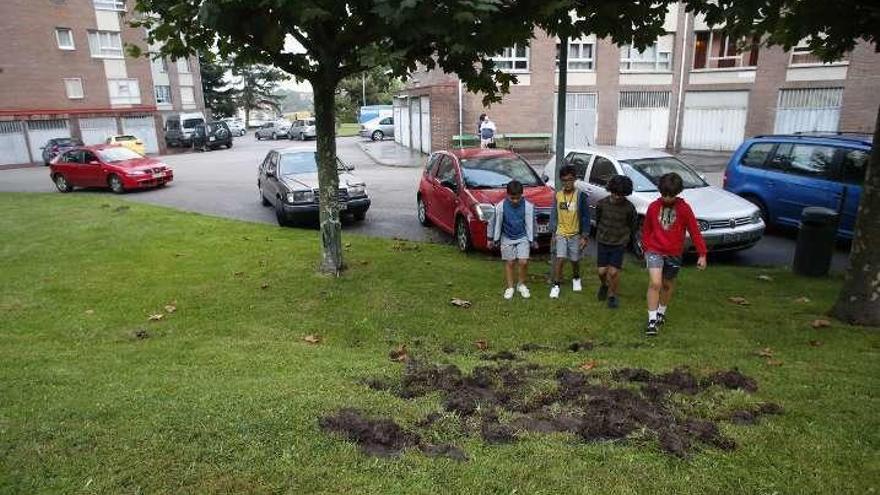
x: 663, y: 236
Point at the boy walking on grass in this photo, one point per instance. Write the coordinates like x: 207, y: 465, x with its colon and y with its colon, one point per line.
x: 513, y: 231
x: 570, y: 224
x: 663, y: 236
x: 616, y: 220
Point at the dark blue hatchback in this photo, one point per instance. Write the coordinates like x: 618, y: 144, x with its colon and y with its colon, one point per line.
x: 783, y: 174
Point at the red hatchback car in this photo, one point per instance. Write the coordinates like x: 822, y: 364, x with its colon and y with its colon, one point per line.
x: 459, y: 189
x: 111, y: 166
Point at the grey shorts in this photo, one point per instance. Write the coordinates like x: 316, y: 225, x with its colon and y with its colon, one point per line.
x: 568, y: 247
x: 515, y: 250
x: 670, y: 264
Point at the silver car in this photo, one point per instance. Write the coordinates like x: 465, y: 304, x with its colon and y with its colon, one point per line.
x: 727, y: 221
x: 378, y: 128
x: 273, y: 130
x: 302, y: 129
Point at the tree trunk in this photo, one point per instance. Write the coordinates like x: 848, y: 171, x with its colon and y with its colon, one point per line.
x: 859, y: 299
x: 328, y: 177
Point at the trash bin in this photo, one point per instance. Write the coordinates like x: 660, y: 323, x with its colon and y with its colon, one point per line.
x: 815, y: 242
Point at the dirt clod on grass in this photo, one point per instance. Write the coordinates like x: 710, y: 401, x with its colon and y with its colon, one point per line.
x: 380, y: 437
x: 586, y: 345
x: 499, y: 356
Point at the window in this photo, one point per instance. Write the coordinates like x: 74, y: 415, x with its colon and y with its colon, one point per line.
x: 513, y: 59
x: 105, y: 44
x: 715, y: 50
x: 855, y: 162
x: 183, y: 65
x: 432, y: 162
x: 445, y: 171
x: 804, y: 159
x: 163, y: 94
x: 756, y: 155
x: 386, y: 121
x: 802, y: 55
x: 160, y: 65
x: 187, y: 96
x: 124, y: 91
x: 580, y: 162
x: 74, y: 88
x: 110, y: 5
x: 580, y: 56
x: 652, y: 59
x: 603, y: 170
x: 64, y: 37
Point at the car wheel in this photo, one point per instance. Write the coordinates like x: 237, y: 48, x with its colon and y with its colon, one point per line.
x: 462, y: 235
x: 636, y: 245
x: 229, y: 145
x: 423, y: 212
x: 257, y: 135
x: 378, y: 135
x: 274, y: 136
x: 115, y: 184
x: 360, y: 215
x: 279, y: 216
x: 263, y: 200
x: 62, y: 184
x: 765, y: 215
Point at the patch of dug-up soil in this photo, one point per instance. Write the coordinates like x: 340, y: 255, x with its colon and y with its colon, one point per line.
x: 499, y: 403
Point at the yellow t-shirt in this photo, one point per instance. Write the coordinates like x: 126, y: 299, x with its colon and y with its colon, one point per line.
x: 568, y: 223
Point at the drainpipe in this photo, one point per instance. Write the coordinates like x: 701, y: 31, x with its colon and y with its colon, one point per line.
x: 460, y: 111
x: 680, y: 102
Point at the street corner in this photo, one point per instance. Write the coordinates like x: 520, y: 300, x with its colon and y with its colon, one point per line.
x: 391, y: 154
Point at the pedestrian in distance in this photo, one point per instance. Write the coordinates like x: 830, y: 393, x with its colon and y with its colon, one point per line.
x: 570, y: 225
x: 616, y: 223
x: 663, y: 235
x: 487, y: 133
x: 513, y: 232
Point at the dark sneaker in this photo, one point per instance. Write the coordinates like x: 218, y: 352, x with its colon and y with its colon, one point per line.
x: 661, y: 319
x: 613, y: 303
x: 651, y: 330
x: 603, y: 292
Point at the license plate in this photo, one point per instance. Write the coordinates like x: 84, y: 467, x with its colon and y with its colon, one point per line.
x: 737, y: 237
x: 343, y: 206
x: 159, y: 175
x: 543, y: 228
x: 211, y: 138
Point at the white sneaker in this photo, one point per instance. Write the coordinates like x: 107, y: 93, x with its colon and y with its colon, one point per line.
x: 576, y: 285
x: 554, y: 292
x: 508, y: 293
x: 524, y: 291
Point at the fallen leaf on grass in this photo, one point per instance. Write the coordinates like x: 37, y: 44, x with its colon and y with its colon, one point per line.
x: 738, y: 300
x: 802, y: 300
x: 461, y: 303
x: 765, y: 352
x: 245, y: 238
x: 312, y: 339
x: 364, y: 262
x: 765, y: 278
x: 348, y: 244
x: 820, y: 323
x: 90, y: 311
x: 264, y: 285
x: 237, y: 274
x: 815, y: 343
x: 399, y: 354
x: 140, y: 334
x: 178, y: 255
x: 481, y: 344
x: 774, y: 362
x: 588, y: 365
x: 170, y: 308
x: 157, y: 317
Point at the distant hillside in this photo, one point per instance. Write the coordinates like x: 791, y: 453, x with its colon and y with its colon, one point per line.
x: 296, y: 101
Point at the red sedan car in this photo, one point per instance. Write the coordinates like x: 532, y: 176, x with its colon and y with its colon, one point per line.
x: 111, y: 166
x: 459, y: 189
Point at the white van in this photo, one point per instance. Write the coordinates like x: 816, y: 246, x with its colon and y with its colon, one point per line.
x: 179, y: 128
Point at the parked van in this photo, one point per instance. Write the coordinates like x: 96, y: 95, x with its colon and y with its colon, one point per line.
x: 179, y: 128
x: 783, y: 174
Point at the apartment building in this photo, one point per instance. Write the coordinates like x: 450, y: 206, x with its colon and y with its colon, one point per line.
x: 695, y: 88
x: 64, y: 73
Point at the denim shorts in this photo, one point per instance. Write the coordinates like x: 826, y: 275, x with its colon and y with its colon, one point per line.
x: 670, y: 264
x: 568, y: 247
x: 609, y: 255
x: 515, y: 250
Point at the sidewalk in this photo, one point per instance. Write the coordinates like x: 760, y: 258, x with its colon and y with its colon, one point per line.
x: 391, y: 154
x: 705, y: 161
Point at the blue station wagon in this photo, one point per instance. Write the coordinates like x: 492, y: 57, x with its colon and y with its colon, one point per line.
x: 783, y: 174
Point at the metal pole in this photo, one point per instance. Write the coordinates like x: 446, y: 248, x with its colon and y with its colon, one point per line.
x: 560, y: 105
x: 364, y: 87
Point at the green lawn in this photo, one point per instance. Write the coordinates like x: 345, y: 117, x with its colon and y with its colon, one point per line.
x: 224, y: 396
x: 347, y: 130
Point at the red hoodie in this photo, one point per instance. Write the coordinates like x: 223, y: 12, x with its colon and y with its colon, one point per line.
x: 664, y: 228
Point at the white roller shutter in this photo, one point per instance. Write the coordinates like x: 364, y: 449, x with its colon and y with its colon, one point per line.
x: 415, y: 122
x: 13, y: 146
x: 426, y: 124
x: 144, y: 128
x: 643, y: 119
x: 97, y: 130
x: 714, y: 120
x: 404, y: 123
x: 41, y: 131
x: 808, y: 110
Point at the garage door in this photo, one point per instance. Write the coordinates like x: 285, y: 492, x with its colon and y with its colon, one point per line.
x: 415, y: 122
x: 13, y: 147
x: 643, y: 119
x: 808, y: 110
x: 143, y: 127
x: 714, y: 120
x: 397, y: 131
x: 426, y: 124
x: 580, y: 119
x: 41, y: 131
x: 96, y: 131
x: 404, y: 123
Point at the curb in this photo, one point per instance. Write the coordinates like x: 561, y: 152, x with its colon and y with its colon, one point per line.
x: 378, y: 161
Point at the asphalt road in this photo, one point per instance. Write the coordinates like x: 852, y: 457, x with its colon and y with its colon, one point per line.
x: 223, y: 183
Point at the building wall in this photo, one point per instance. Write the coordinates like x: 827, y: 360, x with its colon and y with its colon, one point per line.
x: 861, y: 94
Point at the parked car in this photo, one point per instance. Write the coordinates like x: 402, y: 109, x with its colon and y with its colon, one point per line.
x: 58, y: 145
x: 288, y: 181
x: 273, y: 130
x: 378, y: 128
x: 236, y: 126
x: 180, y: 127
x: 727, y: 222
x: 302, y: 129
x: 211, y: 136
x: 784, y: 174
x: 459, y: 189
x: 129, y: 141
x: 107, y: 165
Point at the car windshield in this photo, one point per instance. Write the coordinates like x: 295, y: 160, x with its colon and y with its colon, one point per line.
x: 68, y: 142
x: 309, y: 122
x: 495, y: 172
x: 117, y: 154
x: 125, y: 138
x: 215, y: 126
x: 651, y: 169
x: 298, y: 163
x: 190, y: 123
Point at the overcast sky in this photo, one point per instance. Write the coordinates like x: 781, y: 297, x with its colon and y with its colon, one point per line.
x: 293, y: 46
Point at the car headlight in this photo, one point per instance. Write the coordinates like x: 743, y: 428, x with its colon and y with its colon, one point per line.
x: 137, y: 172
x: 756, y: 217
x: 485, y: 212
x: 357, y: 190
x: 301, y: 196
x: 704, y: 225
